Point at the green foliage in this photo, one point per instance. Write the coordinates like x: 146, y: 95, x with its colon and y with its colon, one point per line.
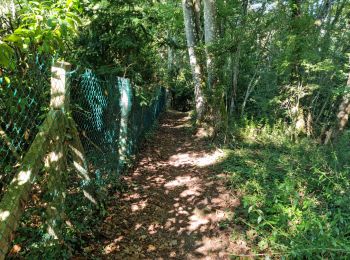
x: 7, y: 55
x: 294, y: 196
x: 296, y: 56
x: 39, y: 28
x: 117, y: 37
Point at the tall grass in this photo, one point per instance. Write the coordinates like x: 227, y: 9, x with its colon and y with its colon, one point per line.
x: 295, y: 196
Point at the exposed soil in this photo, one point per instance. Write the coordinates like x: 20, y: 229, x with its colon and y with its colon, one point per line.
x: 175, y: 206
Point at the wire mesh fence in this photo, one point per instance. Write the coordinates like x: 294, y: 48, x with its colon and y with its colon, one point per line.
x: 96, y: 107
x: 110, y: 124
x: 110, y: 118
x: 23, y: 106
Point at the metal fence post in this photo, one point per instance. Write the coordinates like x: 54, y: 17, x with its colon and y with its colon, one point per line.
x: 125, y: 103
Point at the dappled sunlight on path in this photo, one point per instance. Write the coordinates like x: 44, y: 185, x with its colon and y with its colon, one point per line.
x: 174, y: 204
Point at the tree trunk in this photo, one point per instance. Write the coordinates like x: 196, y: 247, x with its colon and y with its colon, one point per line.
x: 197, y: 20
x: 171, y: 72
x: 295, y: 31
x: 325, y: 40
x: 210, y: 36
x: 235, y: 65
x: 190, y: 30
x: 344, y: 108
x: 343, y: 116
x: 235, y: 71
x: 296, y: 110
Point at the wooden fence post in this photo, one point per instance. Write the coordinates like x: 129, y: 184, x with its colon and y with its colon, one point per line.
x: 60, y: 91
x: 56, y: 159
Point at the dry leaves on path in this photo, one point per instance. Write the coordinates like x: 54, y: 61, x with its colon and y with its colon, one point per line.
x: 174, y: 204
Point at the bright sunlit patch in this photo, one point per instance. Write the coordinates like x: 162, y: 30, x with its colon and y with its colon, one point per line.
x: 169, y: 223
x: 81, y: 170
x: 77, y: 152
x: 196, y: 221
x: 190, y: 192
x: 196, y: 159
x: 4, y: 215
x: 188, y: 125
x: 211, y: 244
x: 113, y: 246
x: 54, y: 157
x: 157, y: 180
x: 138, y: 226
x: 51, y: 231
x: 134, y: 196
x: 153, y: 228
x: 23, y: 177
x: 209, y: 159
x: 180, y: 181
x: 138, y: 206
x: 183, y: 212
x: 181, y: 159
x: 89, y: 197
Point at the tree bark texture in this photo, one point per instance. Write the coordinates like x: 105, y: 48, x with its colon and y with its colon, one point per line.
x: 210, y: 36
x: 344, y: 108
x: 190, y: 30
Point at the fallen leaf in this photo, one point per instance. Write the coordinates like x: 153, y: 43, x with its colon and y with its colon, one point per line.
x: 151, y: 248
x: 15, y: 249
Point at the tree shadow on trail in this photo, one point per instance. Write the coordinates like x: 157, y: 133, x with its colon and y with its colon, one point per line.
x: 175, y: 203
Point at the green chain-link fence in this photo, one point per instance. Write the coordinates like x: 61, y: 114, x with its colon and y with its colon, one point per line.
x: 96, y: 109
x: 111, y: 123
x: 24, y: 99
x: 111, y: 119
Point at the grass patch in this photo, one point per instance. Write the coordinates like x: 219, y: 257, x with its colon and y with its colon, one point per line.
x: 295, y: 197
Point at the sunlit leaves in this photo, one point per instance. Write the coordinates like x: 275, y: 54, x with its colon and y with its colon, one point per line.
x: 45, y: 25
x: 6, y: 55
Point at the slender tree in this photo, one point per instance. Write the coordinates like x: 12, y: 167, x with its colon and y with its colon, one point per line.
x: 210, y: 36
x: 190, y: 30
x: 344, y: 108
x: 236, y: 59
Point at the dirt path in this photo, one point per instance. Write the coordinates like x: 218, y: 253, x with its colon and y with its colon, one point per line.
x: 175, y: 203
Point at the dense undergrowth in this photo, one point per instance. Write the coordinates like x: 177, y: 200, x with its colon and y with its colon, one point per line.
x: 294, y: 196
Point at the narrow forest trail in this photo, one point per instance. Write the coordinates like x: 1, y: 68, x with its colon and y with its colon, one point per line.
x: 174, y: 202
